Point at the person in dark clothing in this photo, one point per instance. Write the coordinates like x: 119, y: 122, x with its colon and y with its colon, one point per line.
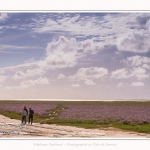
x: 31, y: 113
x: 26, y: 114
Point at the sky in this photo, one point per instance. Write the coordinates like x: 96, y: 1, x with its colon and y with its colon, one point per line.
x: 75, y: 55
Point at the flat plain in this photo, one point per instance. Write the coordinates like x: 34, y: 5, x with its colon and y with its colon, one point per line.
x: 88, y: 119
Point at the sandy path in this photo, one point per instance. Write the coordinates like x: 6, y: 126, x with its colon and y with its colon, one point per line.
x: 10, y: 128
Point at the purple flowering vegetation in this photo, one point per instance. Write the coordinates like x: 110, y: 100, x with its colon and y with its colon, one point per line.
x: 122, y: 112
x: 39, y: 108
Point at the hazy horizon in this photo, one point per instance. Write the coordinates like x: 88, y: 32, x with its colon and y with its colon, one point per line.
x: 141, y: 100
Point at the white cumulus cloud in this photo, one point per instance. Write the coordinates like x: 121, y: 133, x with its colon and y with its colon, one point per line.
x: 121, y: 84
x: 66, y: 52
x: 90, y: 46
x: 120, y: 73
x: 89, y: 82
x: 133, y: 42
x: 29, y: 83
x: 136, y: 60
x: 61, y: 76
x: 61, y: 53
x: 28, y: 73
x: 137, y: 84
x: 145, y: 66
x: 89, y: 73
x: 140, y: 73
x: 3, y: 16
x: 75, y: 85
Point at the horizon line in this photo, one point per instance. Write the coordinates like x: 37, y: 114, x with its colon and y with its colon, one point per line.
x: 78, y: 99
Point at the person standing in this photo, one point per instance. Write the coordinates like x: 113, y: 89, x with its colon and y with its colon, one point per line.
x: 26, y: 109
x: 31, y: 113
x: 24, y: 113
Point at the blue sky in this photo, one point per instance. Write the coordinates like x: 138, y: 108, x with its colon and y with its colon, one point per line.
x: 73, y: 55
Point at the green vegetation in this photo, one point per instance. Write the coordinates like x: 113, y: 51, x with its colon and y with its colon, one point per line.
x: 144, y: 128
x: 11, y: 115
x: 78, y: 123
x: 14, y: 115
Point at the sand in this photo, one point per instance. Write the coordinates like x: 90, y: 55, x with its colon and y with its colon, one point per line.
x: 11, y: 128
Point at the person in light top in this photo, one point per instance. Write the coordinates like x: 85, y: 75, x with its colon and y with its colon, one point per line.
x: 24, y: 114
x: 26, y: 109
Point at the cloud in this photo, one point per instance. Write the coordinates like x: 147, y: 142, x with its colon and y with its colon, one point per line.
x: 89, y: 73
x: 28, y: 73
x: 138, y: 66
x: 66, y: 52
x: 121, y: 84
x: 75, y: 85
x: 29, y: 83
x: 140, y: 73
x: 145, y: 66
x: 16, y: 47
x: 136, y: 60
x: 148, y: 24
x: 134, y: 42
x: 61, y: 76
x: 61, y: 53
x: 137, y: 84
x: 3, y: 17
x: 2, y: 78
x: 89, y: 82
x: 23, y: 71
x: 87, y: 24
x: 90, y: 46
x: 128, y: 31
x: 70, y: 23
x: 120, y: 73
